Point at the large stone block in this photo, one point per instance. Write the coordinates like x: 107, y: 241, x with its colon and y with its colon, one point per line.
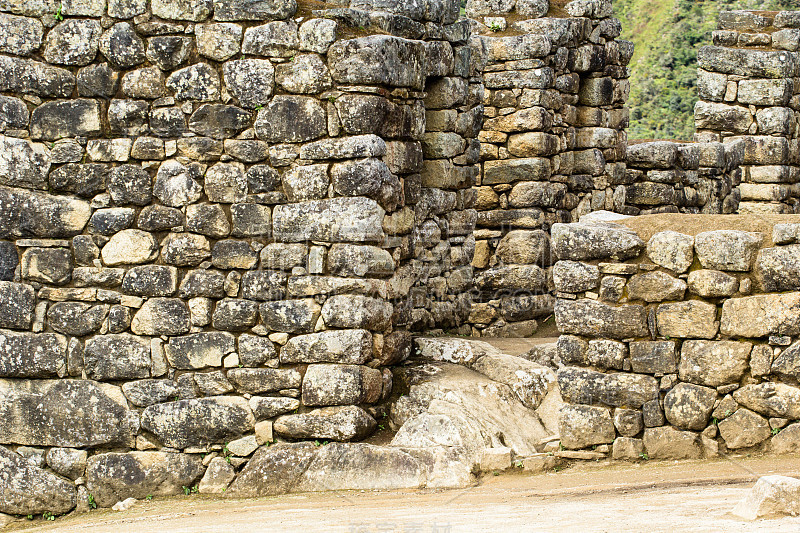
x: 338, y: 346
x: 511, y: 170
x: 263, y: 380
x: 744, y: 429
x: 727, y: 249
x: 332, y: 220
x: 276, y: 39
x: 689, y: 406
x: 772, y: 495
x: 146, y: 392
x: 28, y: 214
x: 778, y: 269
x: 764, y: 92
x: 73, y: 42
x: 114, y: 477
x: 534, y: 193
x: 329, y: 384
x: 19, y: 35
x: 713, y: 363
x: 584, y: 386
x: 528, y: 46
x: 722, y: 117
x: 654, y: 357
x: 596, y: 319
x: 787, y: 441
x: 151, y: 280
x: 575, y: 277
x: 265, y: 407
x: 199, y: 350
x: 290, y: 316
x: 747, y: 62
x: 342, y: 423
x: 161, y: 316
x: 66, y: 118
x: 23, y: 163
x: 115, y: 357
x: 131, y: 247
x: 273, y: 470
x: 582, y: 241
x: 763, y: 149
x: 770, y: 399
x: 340, y: 466
x: 193, y: 10
x: 43, y: 413
x: 198, y: 82
x: 234, y: 10
x: 520, y: 277
x: 30, y: 490
x: 666, y: 442
x: 692, y: 318
x: 537, y: 78
x: 291, y: 119
x: 655, y: 287
x: 199, y: 422
x: 378, y: 60
x: 712, y: 283
x: 251, y: 81
x: 533, y: 144
x: 581, y: 426
x: 354, y: 147
x: 39, y: 78
x: 17, y: 302
x: 761, y: 315
x: 351, y: 311
x: 659, y: 154
x: 32, y: 355
x: 367, y: 177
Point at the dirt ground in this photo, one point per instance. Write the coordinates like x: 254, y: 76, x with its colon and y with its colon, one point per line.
x: 590, y: 497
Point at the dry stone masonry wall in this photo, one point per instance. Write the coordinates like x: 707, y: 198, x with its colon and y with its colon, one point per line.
x: 222, y: 220
x: 683, y: 346
x: 552, y: 145
x: 212, y: 217
x: 747, y: 83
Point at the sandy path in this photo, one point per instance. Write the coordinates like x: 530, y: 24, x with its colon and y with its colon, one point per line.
x: 651, y: 497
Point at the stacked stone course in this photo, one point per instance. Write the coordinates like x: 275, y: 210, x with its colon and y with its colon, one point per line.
x: 747, y: 83
x: 673, y: 177
x: 681, y: 347
x: 552, y: 146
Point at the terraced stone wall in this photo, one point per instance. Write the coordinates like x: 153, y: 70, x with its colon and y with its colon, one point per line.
x: 747, y: 83
x: 215, y: 216
x: 676, y: 177
x: 678, y: 345
x: 552, y: 145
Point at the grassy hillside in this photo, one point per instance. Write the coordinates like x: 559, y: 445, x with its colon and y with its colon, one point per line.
x: 667, y: 35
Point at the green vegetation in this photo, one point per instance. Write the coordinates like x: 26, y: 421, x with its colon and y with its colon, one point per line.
x: 667, y: 35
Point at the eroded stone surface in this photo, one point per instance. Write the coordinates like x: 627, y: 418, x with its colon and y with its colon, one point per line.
x: 113, y: 477
x: 41, y: 413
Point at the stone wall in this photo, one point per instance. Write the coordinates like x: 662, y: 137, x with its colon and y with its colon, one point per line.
x: 552, y: 145
x: 675, y: 177
x: 683, y: 346
x: 214, y: 218
x: 748, y: 91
